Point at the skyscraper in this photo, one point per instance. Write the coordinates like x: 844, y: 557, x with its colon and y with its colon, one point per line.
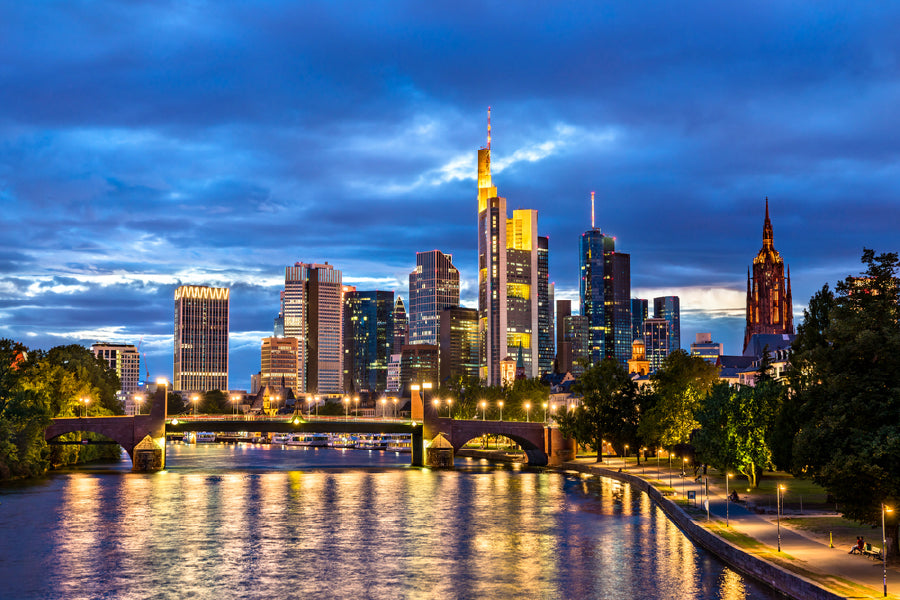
x: 401, y: 326
x: 433, y: 286
x: 545, y: 308
x: 656, y: 342
x: 639, y: 312
x: 605, y: 292
x: 124, y: 360
x: 563, y: 363
x: 669, y: 308
x: 312, y: 311
x: 769, y: 304
x: 368, y: 339
x: 278, y: 362
x: 507, y: 278
x: 458, y: 344
x: 201, y: 339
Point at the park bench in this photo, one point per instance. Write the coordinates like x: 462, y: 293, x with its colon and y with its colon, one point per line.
x: 871, y: 551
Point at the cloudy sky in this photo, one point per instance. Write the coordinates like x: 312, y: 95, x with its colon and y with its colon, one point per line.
x: 145, y: 145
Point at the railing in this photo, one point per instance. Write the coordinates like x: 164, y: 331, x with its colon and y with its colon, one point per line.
x: 287, y: 418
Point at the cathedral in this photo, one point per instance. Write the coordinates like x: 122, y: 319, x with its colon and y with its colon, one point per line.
x: 769, y: 307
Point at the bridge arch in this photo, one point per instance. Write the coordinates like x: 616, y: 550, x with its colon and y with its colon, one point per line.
x: 530, y: 437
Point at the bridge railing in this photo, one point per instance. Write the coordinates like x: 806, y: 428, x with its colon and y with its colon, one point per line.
x: 286, y: 418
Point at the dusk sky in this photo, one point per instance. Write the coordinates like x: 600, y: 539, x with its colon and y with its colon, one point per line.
x: 145, y: 145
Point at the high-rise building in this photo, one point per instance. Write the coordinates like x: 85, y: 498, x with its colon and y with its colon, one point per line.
x: 458, y: 344
x: 545, y: 308
x: 639, y: 312
x: 656, y: 342
x: 669, y: 308
x: 507, y: 278
x: 312, y: 311
x: 368, y: 339
x: 576, y: 330
x: 418, y: 364
x: 433, y: 286
x: 706, y: 349
x: 278, y: 362
x: 563, y: 363
x: 769, y: 304
x: 401, y: 326
x: 605, y: 292
x: 201, y: 339
x: 124, y: 360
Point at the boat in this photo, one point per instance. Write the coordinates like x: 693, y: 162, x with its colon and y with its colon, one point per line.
x: 280, y: 438
x: 199, y: 437
x: 399, y: 442
x: 372, y: 441
x: 308, y: 439
x: 343, y: 440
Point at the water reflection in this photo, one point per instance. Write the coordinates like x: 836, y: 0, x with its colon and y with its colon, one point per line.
x: 265, y: 522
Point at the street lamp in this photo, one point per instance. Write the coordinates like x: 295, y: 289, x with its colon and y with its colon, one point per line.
x: 437, y: 403
x: 85, y: 401
x: 346, y: 407
x: 309, y: 400
x: 195, y: 399
x: 528, y: 412
x: 625, y: 457
x: 884, y: 509
x: 162, y: 381
x: 552, y: 410
x: 449, y: 404
x: 383, y: 406
x: 683, y: 478
x: 545, y: 412
x: 779, y: 498
x: 395, y: 407
x: 727, y: 497
x: 500, y: 403
x: 483, y: 406
x: 234, y: 401
x: 138, y: 398
x: 356, y: 406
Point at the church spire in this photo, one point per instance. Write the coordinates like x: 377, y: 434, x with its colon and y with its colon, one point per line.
x: 768, y: 237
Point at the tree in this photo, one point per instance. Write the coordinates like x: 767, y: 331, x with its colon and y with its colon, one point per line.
x: 608, y: 410
x: 680, y: 386
x: 847, y: 383
x: 89, y: 369
x: 214, y: 402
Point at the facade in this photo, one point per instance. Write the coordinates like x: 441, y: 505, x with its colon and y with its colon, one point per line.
x: 605, y: 293
x: 656, y: 342
x: 669, y: 308
x: 368, y: 339
x: 401, y: 326
x: 563, y: 363
x: 201, y: 339
x: 545, y: 309
x: 124, y: 360
x: 312, y: 312
x: 458, y: 344
x: 576, y: 332
x: 769, y: 304
x: 706, y: 349
x: 433, y: 286
x: 507, y: 278
x: 278, y: 363
x: 639, y: 312
x: 638, y: 364
x: 418, y: 364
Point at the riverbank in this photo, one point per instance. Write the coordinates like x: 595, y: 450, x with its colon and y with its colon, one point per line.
x: 803, y: 568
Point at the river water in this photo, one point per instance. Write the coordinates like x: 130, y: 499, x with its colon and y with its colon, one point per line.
x: 243, y: 521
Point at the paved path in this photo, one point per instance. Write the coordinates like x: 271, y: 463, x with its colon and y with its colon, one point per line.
x: 814, y: 555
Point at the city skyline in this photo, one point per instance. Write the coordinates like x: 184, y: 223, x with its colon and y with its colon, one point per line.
x: 149, y: 147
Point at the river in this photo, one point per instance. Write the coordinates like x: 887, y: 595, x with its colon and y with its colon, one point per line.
x: 231, y: 521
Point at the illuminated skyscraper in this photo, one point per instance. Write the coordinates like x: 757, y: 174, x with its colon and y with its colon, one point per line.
x: 769, y: 304
x: 639, y: 312
x: 312, y: 311
x: 368, y: 339
x: 669, y: 308
x: 433, y: 286
x: 278, y: 362
x: 507, y: 278
x: 605, y: 292
x: 545, y: 309
x: 201, y: 339
x: 401, y: 326
x: 656, y: 342
x: 458, y: 344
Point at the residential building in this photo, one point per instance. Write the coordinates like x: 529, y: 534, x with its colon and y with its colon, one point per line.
x: 201, y: 339
x: 124, y: 360
x: 458, y: 344
x: 769, y: 304
x: 278, y: 363
x: 669, y: 308
x: 433, y: 286
x: 368, y: 339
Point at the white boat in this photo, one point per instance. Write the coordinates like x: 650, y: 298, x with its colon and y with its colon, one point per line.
x: 205, y: 437
x: 281, y: 438
x: 343, y: 440
x: 399, y: 442
x: 307, y: 439
x: 373, y: 441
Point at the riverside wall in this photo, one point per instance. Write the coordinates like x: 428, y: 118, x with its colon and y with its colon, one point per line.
x: 781, y: 580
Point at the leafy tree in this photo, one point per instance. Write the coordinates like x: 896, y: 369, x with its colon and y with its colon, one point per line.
x: 24, y: 414
x: 174, y: 404
x: 680, y: 387
x: 847, y: 383
x: 609, y: 407
x: 214, y: 402
x: 89, y: 369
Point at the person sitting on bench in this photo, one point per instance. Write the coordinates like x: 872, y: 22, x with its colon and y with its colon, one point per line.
x: 858, y: 548
x: 734, y: 496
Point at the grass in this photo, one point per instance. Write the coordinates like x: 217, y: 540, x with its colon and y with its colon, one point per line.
x: 844, y: 531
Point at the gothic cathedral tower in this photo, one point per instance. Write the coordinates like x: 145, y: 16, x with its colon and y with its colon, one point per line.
x: 769, y: 306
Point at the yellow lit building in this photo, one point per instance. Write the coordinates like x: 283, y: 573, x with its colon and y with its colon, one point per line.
x: 201, y: 339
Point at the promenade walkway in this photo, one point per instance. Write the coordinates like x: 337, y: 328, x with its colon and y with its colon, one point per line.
x: 806, y: 554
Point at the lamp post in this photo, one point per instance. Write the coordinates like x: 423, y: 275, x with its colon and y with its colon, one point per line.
x: 683, y: 478
x: 670, y: 474
x: 195, y: 399
x: 552, y: 411
x: 449, y: 404
x: 138, y: 398
x: 85, y: 401
x: 727, y: 497
x: 383, y: 406
x: 528, y: 412
x: 483, y: 406
x: 346, y: 407
x: 395, y: 407
x: 884, y: 509
x: 500, y: 404
x: 234, y: 401
x: 162, y: 381
x: 545, y: 412
x: 625, y: 457
x: 779, y: 498
x: 437, y: 405
x: 356, y: 406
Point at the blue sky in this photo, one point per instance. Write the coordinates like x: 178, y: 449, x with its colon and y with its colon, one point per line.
x: 145, y: 145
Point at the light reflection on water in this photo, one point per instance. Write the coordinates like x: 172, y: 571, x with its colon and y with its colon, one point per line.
x: 228, y: 521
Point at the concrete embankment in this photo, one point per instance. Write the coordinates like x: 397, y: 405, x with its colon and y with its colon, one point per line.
x: 781, y: 580
x: 495, y: 455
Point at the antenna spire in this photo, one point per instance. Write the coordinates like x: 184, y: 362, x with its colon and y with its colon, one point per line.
x: 489, y: 128
x: 592, y: 210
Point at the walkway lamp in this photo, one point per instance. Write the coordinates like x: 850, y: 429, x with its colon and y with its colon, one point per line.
x: 85, y: 401
x: 316, y: 398
x: 309, y: 400
x: 779, y: 499
x: 195, y: 399
x: 437, y: 404
x: 727, y: 498
x: 395, y: 406
x: 884, y: 509
x: 625, y: 457
x: 138, y: 398
x: 234, y: 401
x: 162, y: 381
x: 449, y: 404
x: 528, y: 412
x: 356, y: 406
x: 545, y: 412
x: 483, y: 406
x: 383, y: 406
x: 346, y: 407
x: 500, y: 404
x: 683, y: 478
x: 552, y: 411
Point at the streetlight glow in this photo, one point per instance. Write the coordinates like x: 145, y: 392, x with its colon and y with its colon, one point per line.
x: 500, y: 403
x: 527, y: 412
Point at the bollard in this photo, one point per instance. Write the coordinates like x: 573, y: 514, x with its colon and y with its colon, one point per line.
x: 830, y: 541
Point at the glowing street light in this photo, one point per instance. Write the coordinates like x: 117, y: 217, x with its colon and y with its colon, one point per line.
x: 625, y: 457
x: 545, y: 412
x: 234, y: 401
x: 162, y: 381
x: 356, y: 406
x: 346, y: 407
x: 138, y: 398
x: 383, y: 406
x: 500, y: 403
x: 483, y: 406
x: 449, y: 404
x: 727, y: 497
x: 779, y: 499
x: 884, y: 509
x: 683, y: 478
x: 395, y: 407
x: 195, y: 399
x: 316, y: 398
x: 436, y: 403
x: 86, y: 401
x: 528, y: 412
x: 309, y: 400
